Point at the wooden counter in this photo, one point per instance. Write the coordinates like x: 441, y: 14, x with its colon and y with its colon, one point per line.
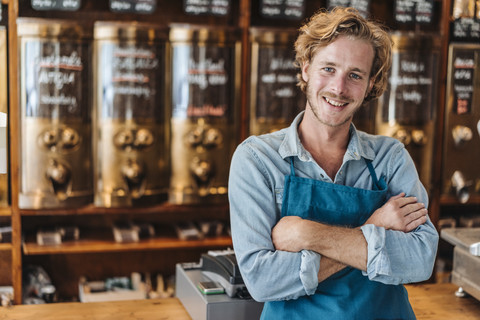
x: 438, y: 302
x: 165, y: 309
x: 429, y: 301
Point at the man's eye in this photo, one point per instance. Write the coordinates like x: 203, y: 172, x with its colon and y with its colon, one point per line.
x: 328, y: 69
x: 355, y: 76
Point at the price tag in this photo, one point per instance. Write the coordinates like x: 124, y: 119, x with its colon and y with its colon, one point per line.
x: 64, y: 5
x: 135, y: 6
x: 463, y: 76
x: 414, y: 11
x: 466, y: 29
x: 361, y: 5
x: 206, y: 7
x: 283, y: 9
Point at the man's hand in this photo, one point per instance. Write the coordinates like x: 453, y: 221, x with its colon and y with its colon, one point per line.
x: 287, y: 234
x: 399, y: 213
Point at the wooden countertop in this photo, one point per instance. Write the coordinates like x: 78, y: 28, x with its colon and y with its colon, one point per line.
x: 429, y: 301
x: 165, y: 309
x: 438, y: 302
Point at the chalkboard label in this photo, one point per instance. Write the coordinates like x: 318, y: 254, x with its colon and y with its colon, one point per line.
x: 361, y: 5
x: 414, y: 11
x: 133, y: 76
x: 278, y: 96
x: 466, y: 29
x: 411, y: 92
x: 57, y: 79
x: 135, y: 6
x: 202, y: 81
x: 65, y: 5
x: 206, y: 7
x: 462, y: 79
x: 283, y: 9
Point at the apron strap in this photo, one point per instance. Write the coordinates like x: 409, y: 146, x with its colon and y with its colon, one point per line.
x: 292, y: 168
x: 376, y: 184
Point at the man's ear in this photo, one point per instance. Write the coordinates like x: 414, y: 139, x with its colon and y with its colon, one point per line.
x: 371, y: 82
x: 305, y: 71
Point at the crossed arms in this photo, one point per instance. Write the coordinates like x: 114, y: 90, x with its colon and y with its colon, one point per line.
x: 340, y: 246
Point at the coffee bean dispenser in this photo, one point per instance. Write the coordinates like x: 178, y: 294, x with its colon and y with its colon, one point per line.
x: 406, y: 110
x: 131, y: 147
x: 55, y: 111
x: 275, y: 98
x: 205, y: 79
x: 461, y: 157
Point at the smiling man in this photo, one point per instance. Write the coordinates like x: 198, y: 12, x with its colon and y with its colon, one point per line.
x: 327, y: 221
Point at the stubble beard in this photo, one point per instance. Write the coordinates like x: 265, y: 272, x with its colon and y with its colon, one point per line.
x: 314, y: 107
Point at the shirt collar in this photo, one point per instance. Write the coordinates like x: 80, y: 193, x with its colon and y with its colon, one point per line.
x: 358, y: 146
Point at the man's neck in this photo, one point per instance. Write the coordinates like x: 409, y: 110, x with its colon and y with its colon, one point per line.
x: 326, y: 144
x: 316, y: 136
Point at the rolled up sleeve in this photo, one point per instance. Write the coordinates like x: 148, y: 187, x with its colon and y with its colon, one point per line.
x: 395, y: 257
x: 309, y: 269
x: 269, y: 274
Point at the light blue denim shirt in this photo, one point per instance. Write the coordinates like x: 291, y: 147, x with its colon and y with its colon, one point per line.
x: 256, y: 181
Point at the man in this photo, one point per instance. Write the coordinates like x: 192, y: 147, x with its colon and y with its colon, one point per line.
x: 328, y: 222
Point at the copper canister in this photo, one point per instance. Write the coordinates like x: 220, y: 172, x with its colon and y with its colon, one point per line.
x: 55, y: 110
x: 3, y: 119
x: 461, y: 148
x: 205, y: 81
x: 407, y: 110
x: 275, y: 98
x: 131, y: 147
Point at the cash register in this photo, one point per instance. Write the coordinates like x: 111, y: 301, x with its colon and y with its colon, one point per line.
x: 213, y: 288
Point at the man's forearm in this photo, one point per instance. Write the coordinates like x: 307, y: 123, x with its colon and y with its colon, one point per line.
x: 345, y: 245
x: 328, y: 267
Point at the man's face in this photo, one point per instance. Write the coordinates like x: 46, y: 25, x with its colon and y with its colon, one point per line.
x: 338, y: 80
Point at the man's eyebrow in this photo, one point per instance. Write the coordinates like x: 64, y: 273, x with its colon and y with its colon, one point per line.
x: 333, y: 64
x: 359, y: 71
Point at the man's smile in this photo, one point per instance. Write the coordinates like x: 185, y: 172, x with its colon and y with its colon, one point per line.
x: 335, y: 103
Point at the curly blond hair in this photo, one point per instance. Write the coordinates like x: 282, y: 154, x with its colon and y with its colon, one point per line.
x: 324, y: 27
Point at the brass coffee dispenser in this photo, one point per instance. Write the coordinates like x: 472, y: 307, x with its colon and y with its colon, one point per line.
x: 55, y: 110
x: 406, y: 110
x: 205, y: 80
x: 461, y: 151
x: 275, y: 98
x: 131, y: 147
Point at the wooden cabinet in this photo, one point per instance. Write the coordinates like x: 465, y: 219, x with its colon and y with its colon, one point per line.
x: 97, y: 255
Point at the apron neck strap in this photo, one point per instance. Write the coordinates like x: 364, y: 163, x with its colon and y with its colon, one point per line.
x: 292, y: 168
x: 376, y: 184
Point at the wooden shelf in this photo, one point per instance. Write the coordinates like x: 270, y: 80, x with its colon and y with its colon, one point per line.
x: 93, y: 246
x: 5, y: 246
x: 5, y: 212
x: 211, y: 209
x: 452, y: 200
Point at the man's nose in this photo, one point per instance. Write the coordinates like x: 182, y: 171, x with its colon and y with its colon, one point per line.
x: 338, y: 84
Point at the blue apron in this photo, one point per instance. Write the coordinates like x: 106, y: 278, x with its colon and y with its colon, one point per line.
x: 346, y: 294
